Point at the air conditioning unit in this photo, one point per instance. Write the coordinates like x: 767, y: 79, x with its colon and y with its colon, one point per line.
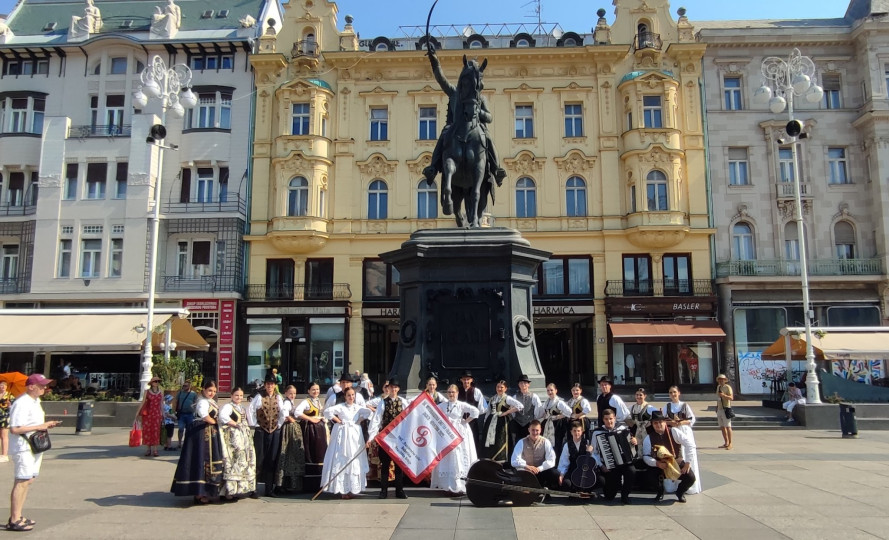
x: 296, y: 332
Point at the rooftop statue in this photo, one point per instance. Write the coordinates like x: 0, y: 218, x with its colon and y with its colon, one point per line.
x: 465, y: 154
x: 166, y: 22
x: 89, y: 23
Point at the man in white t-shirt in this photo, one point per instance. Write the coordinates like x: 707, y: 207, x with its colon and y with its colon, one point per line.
x: 25, y: 417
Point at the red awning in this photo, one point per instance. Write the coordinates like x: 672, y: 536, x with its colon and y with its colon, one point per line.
x: 666, y: 332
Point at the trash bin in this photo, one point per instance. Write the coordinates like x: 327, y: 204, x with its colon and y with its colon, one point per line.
x: 84, y: 418
x: 848, y: 425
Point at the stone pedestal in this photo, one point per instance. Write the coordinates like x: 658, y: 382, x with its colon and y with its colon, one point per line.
x: 466, y: 304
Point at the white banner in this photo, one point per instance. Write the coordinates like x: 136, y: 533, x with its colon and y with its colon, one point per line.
x: 419, y: 437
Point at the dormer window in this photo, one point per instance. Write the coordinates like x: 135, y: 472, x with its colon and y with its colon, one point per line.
x: 475, y: 44
x: 522, y: 43
x: 570, y: 42
x: 381, y: 47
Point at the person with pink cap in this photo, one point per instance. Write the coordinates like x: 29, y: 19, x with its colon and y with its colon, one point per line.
x: 25, y: 417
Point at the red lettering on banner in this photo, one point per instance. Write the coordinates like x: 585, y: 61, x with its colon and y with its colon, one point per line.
x: 224, y: 358
x: 201, y: 305
x: 227, y: 323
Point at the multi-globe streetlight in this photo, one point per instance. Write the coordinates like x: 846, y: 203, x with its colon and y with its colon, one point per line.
x: 172, y: 87
x: 795, y: 77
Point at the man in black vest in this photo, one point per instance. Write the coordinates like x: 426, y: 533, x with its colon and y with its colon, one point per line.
x: 578, y: 444
x: 468, y: 393
x: 610, y: 401
x: 616, y: 476
x: 518, y: 425
x: 672, y: 439
x: 386, y: 412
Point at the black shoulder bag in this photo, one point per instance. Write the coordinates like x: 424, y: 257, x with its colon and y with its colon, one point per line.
x: 39, y: 441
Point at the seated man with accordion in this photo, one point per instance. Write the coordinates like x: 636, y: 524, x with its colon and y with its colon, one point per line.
x: 612, y: 450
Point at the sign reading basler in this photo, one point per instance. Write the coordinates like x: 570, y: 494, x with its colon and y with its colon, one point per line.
x: 419, y: 437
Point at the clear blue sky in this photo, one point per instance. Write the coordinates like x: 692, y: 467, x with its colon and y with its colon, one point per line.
x: 375, y: 18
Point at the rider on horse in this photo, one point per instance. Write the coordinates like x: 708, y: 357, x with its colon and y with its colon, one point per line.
x: 485, y: 117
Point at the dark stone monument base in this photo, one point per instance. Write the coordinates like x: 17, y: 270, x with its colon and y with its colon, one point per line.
x: 466, y: 305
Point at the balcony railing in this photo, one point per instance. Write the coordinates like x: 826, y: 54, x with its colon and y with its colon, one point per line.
x: 659, y: 287
x: 14, y: 285
x: 306, y: 47
x: 816, y: 267
x: 785, y: 190
x: 648, y: 40
x: 229, y: 203
x: 17, y: 209
x: 110, y: 130
x: 211, y: 283
x: 336, y: 291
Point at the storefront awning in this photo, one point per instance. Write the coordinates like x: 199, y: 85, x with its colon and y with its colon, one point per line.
x: 832, y: 344
x: 89, y: 333
x: 666, y: 332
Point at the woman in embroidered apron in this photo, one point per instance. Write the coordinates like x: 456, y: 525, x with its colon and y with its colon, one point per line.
x: 450, y: 473
x: 315, y: 436
x: 640, y: 419
x: 292, y: 461
x: 680, y: 415
x: 199, y: 472
x: 554, y: 417
x: 239, y: 472
x: 495, y: 437
x: 580, y: 407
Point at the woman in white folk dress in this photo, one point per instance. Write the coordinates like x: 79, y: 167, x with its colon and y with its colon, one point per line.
x: 679, y: 415
x: 451, y: 471
x: 346, y: 441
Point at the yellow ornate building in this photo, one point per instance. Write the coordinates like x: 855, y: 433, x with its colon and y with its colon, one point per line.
x: 602, y: 138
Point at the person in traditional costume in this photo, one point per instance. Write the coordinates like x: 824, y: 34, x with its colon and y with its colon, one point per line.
x: 239, y: 472
x: 315, y: 436
x: 432, y: 391
x: 536, y: 455
x: 495, y: 442
x: 468, y: 393
x: 450, y: 473
x: 292, y: 459
x: 553, y: 416
x: 521, y: 419
x: 662, y: 451
x: 339, y: 396
x: 640, y: 419
x: 266, y: 413
x: 680, y: 416
x: 580, y: 406
x: 375, y: 402
x: 578, y: 444
x: 152, y: 414
x: 199, y: 472
x: 608, y: 400
x: 619, y: 477
x: 341, y: 473
x: 373, y: 449
x: 388, y: 411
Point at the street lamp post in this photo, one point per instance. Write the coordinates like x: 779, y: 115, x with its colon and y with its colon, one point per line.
x: 795, y: 77
x: 172, y: 86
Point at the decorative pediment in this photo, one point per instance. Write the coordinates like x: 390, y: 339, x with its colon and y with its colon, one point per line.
x: 297, y: 163
x: 379, y: 92
x: 575, y: 162
x: 377, y: 166
x: 416, y: 166
x: 524, y: 163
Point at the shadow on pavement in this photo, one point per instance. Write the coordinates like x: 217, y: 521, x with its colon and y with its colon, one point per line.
x: 151, y: 499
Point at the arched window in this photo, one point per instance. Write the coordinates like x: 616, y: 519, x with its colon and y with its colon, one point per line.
x: 575, y: 196
x: 382, y: 47
x: 743, y: 248
x: 377, y: 200
x: 522, y: 43
x: 298, y: 197
x: 656, y: 191
x: 844, y: 240
x: 476, y: 44
x: 525, y: 198
x: 570, y: 42
x: 427, y: 200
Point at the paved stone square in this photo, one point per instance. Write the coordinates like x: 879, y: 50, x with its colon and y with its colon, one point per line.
x: 774, y: 484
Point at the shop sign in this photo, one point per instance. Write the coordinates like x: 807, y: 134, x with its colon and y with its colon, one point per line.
x: 393, y: 312
x: 296, y: 310
x: 227, y: 323
x: 224, y: 357
x: 201, y: 304
x: 564, y: 310
x: 646, y: 307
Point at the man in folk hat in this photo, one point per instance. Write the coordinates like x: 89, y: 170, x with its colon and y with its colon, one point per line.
x: 661, y: 441
x: 518, y: 425
x: 391, y: 407
x: 724, y: 397
x: 266, y: 414
x: 338, y: 396
x: 468, y: 393
x: 609, y: 400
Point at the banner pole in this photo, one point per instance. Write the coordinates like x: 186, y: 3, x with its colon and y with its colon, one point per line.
x: 339, y: 472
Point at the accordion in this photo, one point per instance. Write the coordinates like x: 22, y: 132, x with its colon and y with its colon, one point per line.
x: 614, y: 448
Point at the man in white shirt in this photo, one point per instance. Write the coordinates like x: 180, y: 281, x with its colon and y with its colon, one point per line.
x: 608, y: 400
x: 674, y: 468
x: 536, y: 455
x: 25, y: 417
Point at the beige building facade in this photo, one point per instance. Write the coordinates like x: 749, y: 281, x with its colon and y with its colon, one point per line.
x: 602, y: 138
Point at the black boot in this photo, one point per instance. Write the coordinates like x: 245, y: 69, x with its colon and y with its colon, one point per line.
x: 400, y: 494
x: 680, y: 496
x: 660, y: 494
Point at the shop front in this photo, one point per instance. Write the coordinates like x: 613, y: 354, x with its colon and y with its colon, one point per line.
x: 565, y: 334
x: 656, y: 343
x: 303, y: 343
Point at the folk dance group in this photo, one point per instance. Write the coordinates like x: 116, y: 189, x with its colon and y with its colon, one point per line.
x: 287, y: 445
